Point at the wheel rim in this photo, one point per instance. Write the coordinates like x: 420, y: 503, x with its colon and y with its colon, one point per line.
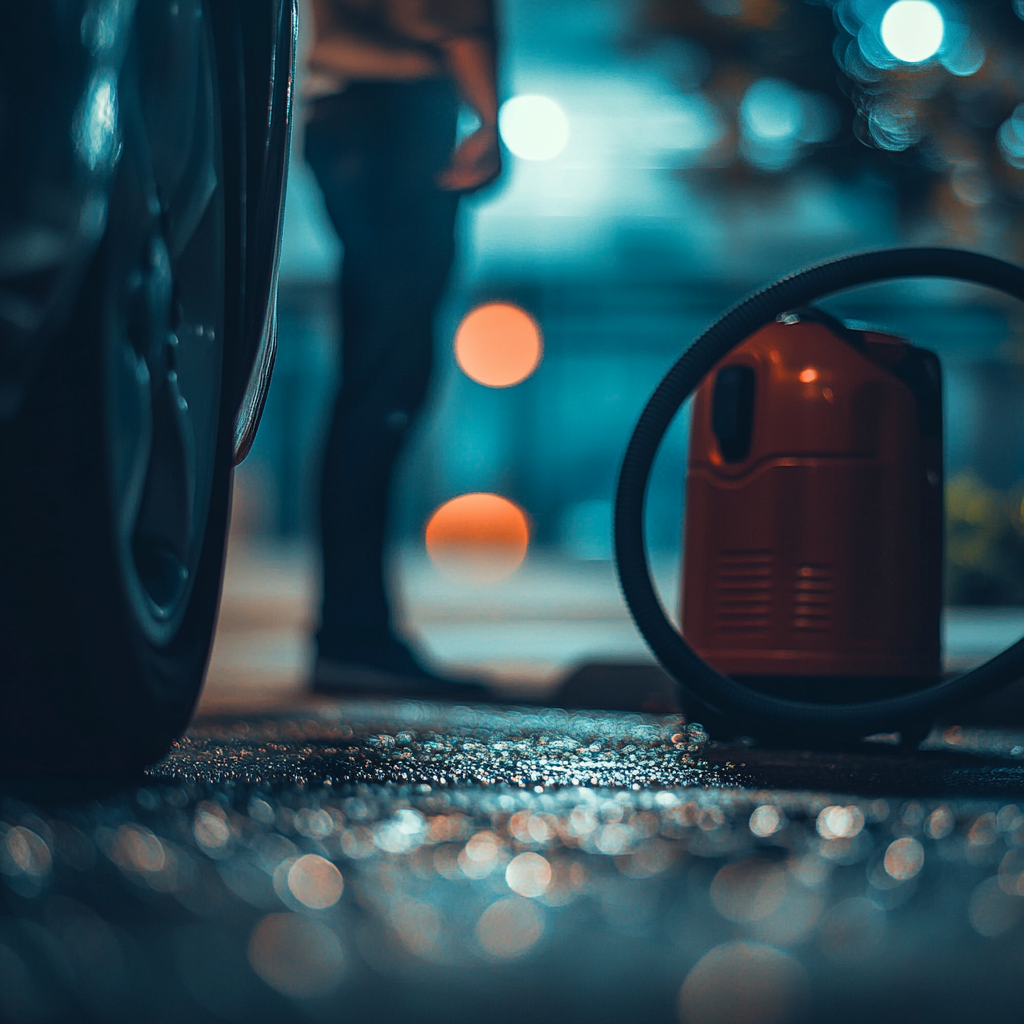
x: 164, y: 312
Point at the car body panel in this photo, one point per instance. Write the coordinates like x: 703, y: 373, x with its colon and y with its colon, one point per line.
x: 60, y: 141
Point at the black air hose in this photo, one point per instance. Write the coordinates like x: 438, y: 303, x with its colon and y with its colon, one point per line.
x: 752, y: 711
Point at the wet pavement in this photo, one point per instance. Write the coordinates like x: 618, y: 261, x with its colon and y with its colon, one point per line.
x: 346, y: 861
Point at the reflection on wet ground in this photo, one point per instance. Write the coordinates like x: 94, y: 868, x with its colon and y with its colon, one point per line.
x: 406, y: 742
x: 354, y: 861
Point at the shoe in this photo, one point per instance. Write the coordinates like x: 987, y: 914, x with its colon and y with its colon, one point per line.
x: 388, y: 670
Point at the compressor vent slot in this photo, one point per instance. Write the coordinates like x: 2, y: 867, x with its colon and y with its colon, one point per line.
x: 813, y: 599
x: 743, y: 589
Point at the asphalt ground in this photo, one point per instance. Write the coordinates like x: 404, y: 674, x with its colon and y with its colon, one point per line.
x: 345, y: 861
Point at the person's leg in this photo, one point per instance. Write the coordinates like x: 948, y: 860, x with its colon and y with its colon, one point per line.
x: 345, y: 146
x: 398, y: 232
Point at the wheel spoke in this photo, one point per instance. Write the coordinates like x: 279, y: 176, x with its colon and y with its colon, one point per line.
x: 177, y: 101
x: 168, y: 357
x: 133, y: 438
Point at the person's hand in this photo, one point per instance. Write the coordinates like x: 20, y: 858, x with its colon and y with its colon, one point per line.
x: 475, y: 163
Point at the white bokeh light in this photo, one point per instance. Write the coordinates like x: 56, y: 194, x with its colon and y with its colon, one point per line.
x: 912, y: 30
x: 533, y: 127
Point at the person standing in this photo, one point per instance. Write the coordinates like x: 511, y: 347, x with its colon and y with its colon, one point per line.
x: 385, y: 82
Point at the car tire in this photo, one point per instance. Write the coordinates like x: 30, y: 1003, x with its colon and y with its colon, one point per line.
x: 116, y: 473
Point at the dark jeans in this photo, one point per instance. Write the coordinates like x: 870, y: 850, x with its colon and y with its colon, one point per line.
x: 376, y: 150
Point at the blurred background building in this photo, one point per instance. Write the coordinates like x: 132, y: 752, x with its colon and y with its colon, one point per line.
x: 664, y: 157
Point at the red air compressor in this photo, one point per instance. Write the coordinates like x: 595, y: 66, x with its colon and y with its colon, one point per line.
x: 813, y: 548
x: 813, y: 538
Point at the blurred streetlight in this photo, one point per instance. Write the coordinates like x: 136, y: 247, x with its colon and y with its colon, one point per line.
x: 533, y: 127
x: 913, y: 30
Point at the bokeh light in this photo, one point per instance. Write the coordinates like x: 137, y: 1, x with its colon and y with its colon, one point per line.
x: 771, y: 109
x: 904, y: 859
x: 509, y: 927
x: 479, y: 857
x: 913, y: 30
x: 835, y: 822
x: 1011, y: 873
x: 742, y: 983
x: 533, y: 127
x: 528, y: 874
x: 401, y: 833
x: 135, y: 848
x: 766, y: 820
x: 1011, y: 145
x: 498, y: 345
x: 940, y: 823
x: 777, y: 120
x: 531, y: 827
x: 27, y: 852
x: 211, y: 829
x: 295, y: 955
x: 991, y: 911
x: 315, y: 882
x: 483, y: 536
x: 748, y: 890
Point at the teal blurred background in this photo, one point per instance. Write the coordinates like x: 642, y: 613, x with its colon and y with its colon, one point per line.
x: 709, y: 147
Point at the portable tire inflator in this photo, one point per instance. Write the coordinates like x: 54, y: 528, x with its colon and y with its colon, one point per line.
x: 812, y: 587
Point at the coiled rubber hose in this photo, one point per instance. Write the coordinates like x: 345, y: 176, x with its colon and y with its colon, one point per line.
x: 758, y: 713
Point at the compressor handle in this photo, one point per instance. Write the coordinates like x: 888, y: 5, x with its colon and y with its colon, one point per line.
x: 760, y: 713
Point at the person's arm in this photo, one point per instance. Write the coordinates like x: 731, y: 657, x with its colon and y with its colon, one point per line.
x: 471, y: 62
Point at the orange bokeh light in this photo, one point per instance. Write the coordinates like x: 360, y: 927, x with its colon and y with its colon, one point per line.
x: 809, y: 375
x: 498, y: 344
x: 480, y: 535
